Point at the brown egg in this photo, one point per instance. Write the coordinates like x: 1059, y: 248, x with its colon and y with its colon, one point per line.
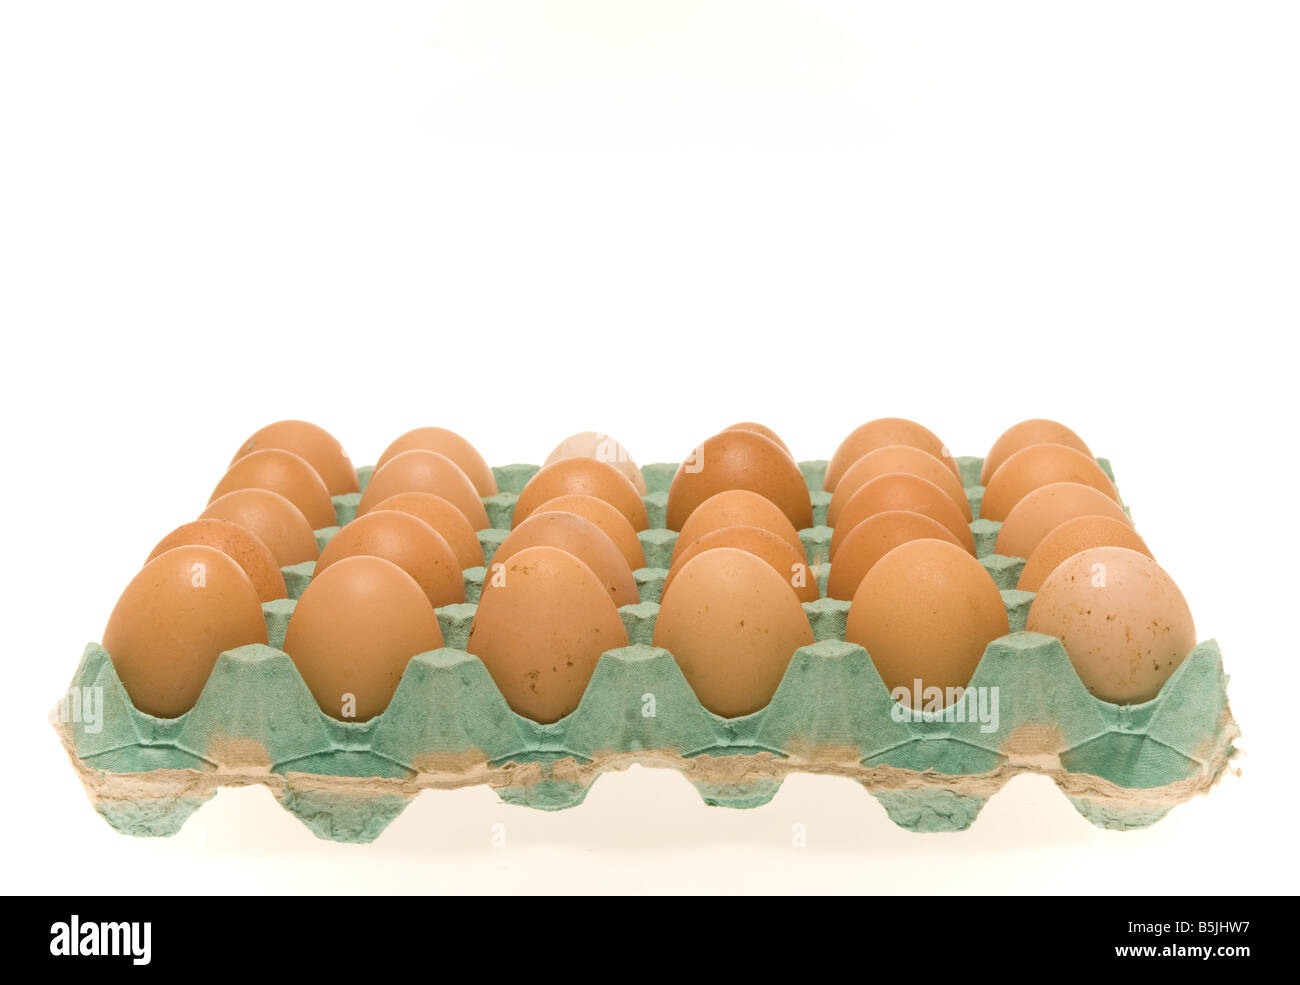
x: 320, y: 449
x: 1035, y: 466
x: 896, y: 458
x: 581, y: 538
x: 425, y: 471
x: 739, y: 460
x: 542, y: 624
x: 879, y: 433
x: 926, y: 611
x: 871, y: 540
x: 285, y: 473
x: 239, y: 544
x: 277, y: 522
x: 603, y: 448
x: 732, y: 624
x: 1071, y: 537
x: 1124, y: 623
x: 409, y: 543
x: 766, y: 432
x: 901, y: 491
x: 444, y: 518
x: 183, y: 610
x: 611, y: 521
x: 790, y: 564
x: 736, y: 508
x: 586, y: 477
x: 1022, y: 435
x: 1046, y: 508
x: 453, y: 446
x: 353, y: 632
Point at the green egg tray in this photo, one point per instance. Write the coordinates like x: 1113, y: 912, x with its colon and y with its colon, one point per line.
x: 448, y: 726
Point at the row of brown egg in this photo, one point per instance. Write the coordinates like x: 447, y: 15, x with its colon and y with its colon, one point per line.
x: 1121, y: 618
x: 541, y: 625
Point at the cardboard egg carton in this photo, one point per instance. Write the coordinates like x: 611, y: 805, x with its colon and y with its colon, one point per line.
x: 1026, y: 711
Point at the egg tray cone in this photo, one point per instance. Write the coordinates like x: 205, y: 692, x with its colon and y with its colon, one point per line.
x: 448, y: 725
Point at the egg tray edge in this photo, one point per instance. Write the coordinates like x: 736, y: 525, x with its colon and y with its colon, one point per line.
x: 448, y: 726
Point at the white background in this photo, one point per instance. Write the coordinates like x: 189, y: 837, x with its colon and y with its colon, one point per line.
x: 521, y: 220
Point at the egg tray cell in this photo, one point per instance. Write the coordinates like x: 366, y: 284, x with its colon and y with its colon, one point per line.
x: 448, y: 725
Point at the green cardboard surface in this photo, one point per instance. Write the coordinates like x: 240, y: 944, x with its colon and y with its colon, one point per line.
x: 448, y: 725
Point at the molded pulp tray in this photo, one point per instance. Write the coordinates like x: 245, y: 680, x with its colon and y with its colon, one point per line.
x: 448, y: 725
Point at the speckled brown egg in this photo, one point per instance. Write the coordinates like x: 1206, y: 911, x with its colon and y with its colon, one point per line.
x: 277, y: 522
x: 879, y: 433
x: 542, y: 624
x: 613, y: 523
x: 453, y: 446
x: 901, y: 491
x: 1071, y: 537
x: 603, y: 448
x: 351, y: 635
x: 320, y: 449
x: 766, y: 432
x: 739, y: 460
x: 419, y: 470
x: 1032, y: 432
x: 871, y: 540
x: 732, y: 624
x: 1036, y: 466
x: 1124, y: 623
x: 1046, y: 508
x: 790, y: 564
x: 581, y: 538
x: 285, y: 473
x: 925, y: 612
x: 896, y: 458
x: 183, y: 610
x: 443, y: 516
x: 239, y: 544
x: 409, y: 543
x: 736, y: 508
x: 585, y: 477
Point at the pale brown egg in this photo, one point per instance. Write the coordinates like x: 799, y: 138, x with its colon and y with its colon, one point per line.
x: 1046, y: 508
x: 450, y: 444
x: 790, y: 564
x: 603, y: 448
x: 925, y: 612
x: 879, y: 433
x: 732, y: 624
x: 179, y: 613
x: 901, y: 491
x: 581, y: 538
x: 443, y: 516
x: 1032, y: 432
x: 611, y: 521
x: 736, y: 508
x: 1036, y: 466
x: 318, y: 447
x: 419, y: 470
x: 1071, y: 537
x: 239, y: 544
x: 586, y: 477
x: 409, y: 543
x: 1124, y: 623
x: 896, y: 458
x: 541, y: 626
x: 277, y: 522
x: 871, y: 540
x: 285, y: 473
x: 739, y: 460
x: 766, y: 432
x: 351, y: 635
